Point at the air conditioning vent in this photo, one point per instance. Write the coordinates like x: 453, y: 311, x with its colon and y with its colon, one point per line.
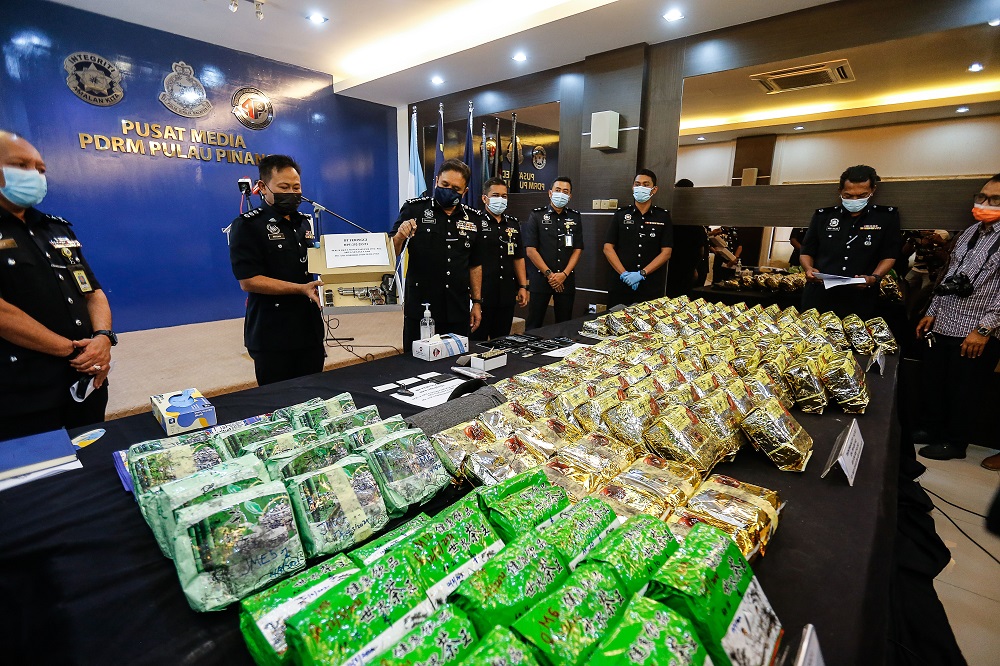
x: 808, y: 76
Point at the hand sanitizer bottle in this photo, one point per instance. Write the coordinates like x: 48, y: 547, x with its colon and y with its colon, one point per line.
x: 427, y: 323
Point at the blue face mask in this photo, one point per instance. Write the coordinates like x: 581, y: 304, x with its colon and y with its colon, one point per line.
x: 560, y: 199
x: 24, y: 187
x: 854, y: 205
x: 497, y: 205
x: 446, y: 198
x: 642, y: 194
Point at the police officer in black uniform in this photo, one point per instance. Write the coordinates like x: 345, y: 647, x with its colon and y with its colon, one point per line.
x: 854, y: 239
x: 445, y: 257
x: 638, y: 245
x: 55, y: 321
x: 504, y: 279
x: 283, y: 330
x: 722, y: 267
x: 553, y: 241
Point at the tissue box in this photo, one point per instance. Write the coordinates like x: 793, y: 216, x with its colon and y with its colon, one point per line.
x: 486, y: 363
x: 177, y: 414
x: 438, y: 347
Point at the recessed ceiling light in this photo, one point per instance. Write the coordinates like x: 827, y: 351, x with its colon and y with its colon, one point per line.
x: 519, y: 57
x: 995, y: 22
x: 962, y: 109
x: 437, y: 80
x: 976, y: 67
x: 673, y: 15
x: 798, y: 127
x: 701, y: 138
x: 318, y: 19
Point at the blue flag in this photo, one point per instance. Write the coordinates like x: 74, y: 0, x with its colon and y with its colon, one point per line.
x: 415, y: 184
x: 439, y: 147
x: 484, y: 164
x: 470, y: 198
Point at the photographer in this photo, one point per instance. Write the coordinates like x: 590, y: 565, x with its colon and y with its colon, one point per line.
x: 960, y: 326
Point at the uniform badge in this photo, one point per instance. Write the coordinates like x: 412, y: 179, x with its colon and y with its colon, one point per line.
x: 628, y: 218
x: 82, y: 283
x: 252, y: 108
x: 68, y: 253
x: 546, y: 218
x: 834, y: 223
x: 93, y: 79
x: 468, y: 244
x: 274, y: 232
x: 183, y: 93
x: 429, y: 217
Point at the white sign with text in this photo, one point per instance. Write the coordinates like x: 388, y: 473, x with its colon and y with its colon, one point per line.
x: 350, y: 250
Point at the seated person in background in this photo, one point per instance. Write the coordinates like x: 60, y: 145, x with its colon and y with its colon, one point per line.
x: 638, y: 245
x: 962, y: 321
x: 853, y: 239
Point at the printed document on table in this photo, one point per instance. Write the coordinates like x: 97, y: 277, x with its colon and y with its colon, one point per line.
x: 838, y: 280
x: 563, y: 352
x: 429, y: 395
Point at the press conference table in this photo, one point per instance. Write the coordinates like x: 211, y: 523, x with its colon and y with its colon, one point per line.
x: 83, y: 581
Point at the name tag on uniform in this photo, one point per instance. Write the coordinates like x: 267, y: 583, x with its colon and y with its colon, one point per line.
x: 569, y: 240
x: 62, y: 241
x: 510, y: 249
x: 466, y: 225
x: 276, y: 237
x: 871, y: 227
x: 82, y: 283
x: 653, y: 222
x: 8, y: 244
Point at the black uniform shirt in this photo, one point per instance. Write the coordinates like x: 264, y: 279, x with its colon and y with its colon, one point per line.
x: 42, y: 272
x: 840, y: 244
x: 502, y: 244
x: 547, y: 231
x: 638, y: 238
x: 263, y: 242
x: 441, y: 252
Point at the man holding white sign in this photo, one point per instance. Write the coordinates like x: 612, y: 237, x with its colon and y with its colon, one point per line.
x: 283, y: 331
x: 855, y: 239
x: 445, y: 265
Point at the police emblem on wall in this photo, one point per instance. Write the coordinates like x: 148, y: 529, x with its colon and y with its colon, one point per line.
x: 183, y: 93
x: 252, y: 108
x: 93, y: 79
x: 538, y: 158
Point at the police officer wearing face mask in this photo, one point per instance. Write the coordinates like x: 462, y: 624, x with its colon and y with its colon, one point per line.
x: 55, y: 321
x: 445, y: 257
x: 853, y: 239
x: 283, y: 331
x: 638, y: 245
x: 504, y: 279
x: 553, y: 241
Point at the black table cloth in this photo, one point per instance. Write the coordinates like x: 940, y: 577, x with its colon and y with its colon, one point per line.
x: 83, y: 581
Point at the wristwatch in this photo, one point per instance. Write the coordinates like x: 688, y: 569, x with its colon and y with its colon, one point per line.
x: 110, y: 335
x: 525, y: 286
x: 477, y: 300
x: 642, y: 272
x: 985, y: 332
x: 548, y: 272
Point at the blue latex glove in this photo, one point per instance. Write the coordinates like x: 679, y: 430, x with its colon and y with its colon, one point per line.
x: 632, y: 279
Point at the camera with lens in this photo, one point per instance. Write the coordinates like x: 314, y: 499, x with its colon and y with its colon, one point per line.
x: 958, y: 284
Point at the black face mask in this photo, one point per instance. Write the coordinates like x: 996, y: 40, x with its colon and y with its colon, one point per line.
x: 286, y: 203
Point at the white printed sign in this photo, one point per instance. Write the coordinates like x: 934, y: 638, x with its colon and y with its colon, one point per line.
x: 349, y: 250
x: 847, y: 452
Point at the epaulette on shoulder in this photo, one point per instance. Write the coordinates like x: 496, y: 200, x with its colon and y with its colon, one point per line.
x: 540, y: 209
x: 417, y: 200
x: 60, y: 220
x: 253, y: 213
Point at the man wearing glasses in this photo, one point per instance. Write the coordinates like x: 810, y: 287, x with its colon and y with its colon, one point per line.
x: 853, y: 239
x: 960, y: 327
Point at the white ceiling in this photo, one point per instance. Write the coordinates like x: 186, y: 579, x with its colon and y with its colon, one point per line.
x: 387, y: 51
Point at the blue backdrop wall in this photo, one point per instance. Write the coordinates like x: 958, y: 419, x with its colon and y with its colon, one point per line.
x: 151, y: 225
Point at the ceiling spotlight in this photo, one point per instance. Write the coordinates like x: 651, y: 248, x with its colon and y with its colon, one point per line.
x: 976, y: 67
x: 962, y: 109
x: 437, y: 80
x: 318, y: 19
x: 701, y: 138
x: 798, y: 127
x: 258, y: 5
x: 673, y: 15
x: 519, y: 57
x: 234, y: 5
x: 995, y: 22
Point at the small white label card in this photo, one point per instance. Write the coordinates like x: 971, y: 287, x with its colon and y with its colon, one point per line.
x: 846, y: 452
x: 809, y: 653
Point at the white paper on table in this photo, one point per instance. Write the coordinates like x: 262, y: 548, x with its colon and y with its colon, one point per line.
x: 429, y: 395
x: 408, y: 381
x: 349, y: 250
x: 563, y: 352
x: 428, y: 375
x: 385, y: 387
x: 830, y: 281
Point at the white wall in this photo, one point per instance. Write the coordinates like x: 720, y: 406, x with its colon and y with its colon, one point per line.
x: 708, y: 165
x: 946, y: 148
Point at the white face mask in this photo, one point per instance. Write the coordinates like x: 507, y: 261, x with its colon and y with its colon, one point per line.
x: 24, y: 187
x: 497, y: 205
x: 854, y: 205
x: 560, y: 199
x: 642, y: 194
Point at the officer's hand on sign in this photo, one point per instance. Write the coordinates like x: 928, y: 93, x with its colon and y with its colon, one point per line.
x: 94, y: 357
x: 311, y: 289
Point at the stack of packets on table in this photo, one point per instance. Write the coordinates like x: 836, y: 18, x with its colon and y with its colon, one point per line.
x: 241, y: 507
x: 514, y: 574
